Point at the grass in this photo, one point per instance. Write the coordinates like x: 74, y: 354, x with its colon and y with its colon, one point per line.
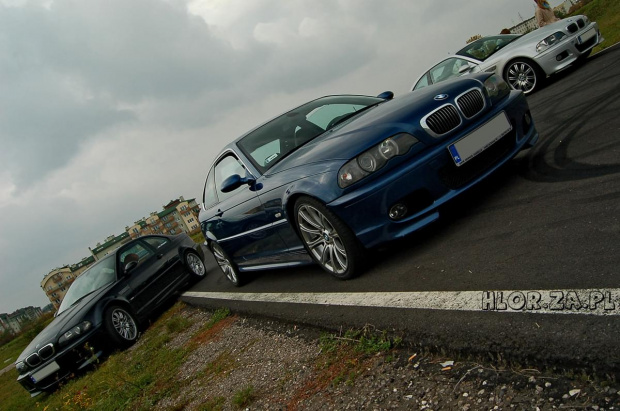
x: 606, y: 13
x: 136, y: 379
x: 244, y: 397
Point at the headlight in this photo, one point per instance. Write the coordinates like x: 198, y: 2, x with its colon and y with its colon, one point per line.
x: 496, y: 88
x: 550, y: 41
x: 586, y: 20
x: 375, y: 158
x: 21, y: 367
x: 74, y: 332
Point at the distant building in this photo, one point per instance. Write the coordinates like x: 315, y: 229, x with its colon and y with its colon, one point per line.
x: 525, y: 26
x: 14, y: 322
x: 56, y: 283
x: 111, y: 243
x: 530, y: 24
x: 178, y: 216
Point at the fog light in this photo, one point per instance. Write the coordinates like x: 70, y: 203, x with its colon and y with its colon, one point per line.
x: 398, y: 211
x: 528, y: 119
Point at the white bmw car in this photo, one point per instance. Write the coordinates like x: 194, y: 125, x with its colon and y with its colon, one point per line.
x: 524, y: 61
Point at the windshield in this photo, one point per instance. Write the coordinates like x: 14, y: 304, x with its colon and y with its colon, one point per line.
x: 99, y: 275
x: 271, y: 142
x: 485, y: 47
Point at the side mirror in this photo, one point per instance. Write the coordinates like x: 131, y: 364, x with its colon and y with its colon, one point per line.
x: 465, y: 68
x: 234, y: 182
x: 386, y: 95
x: 130, y: 266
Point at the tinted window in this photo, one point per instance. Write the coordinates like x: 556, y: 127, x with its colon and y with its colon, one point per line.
x: 156, y: 242
x: 210, y: 195
x: 227, y: 167
x: 135, y: 252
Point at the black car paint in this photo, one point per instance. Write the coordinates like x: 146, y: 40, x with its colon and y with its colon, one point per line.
x: 140, y: 291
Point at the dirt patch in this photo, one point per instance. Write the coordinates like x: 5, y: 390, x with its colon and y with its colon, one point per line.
x: 250, y: 363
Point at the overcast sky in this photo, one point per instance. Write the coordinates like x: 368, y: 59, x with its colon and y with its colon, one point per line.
x: 109, y: 109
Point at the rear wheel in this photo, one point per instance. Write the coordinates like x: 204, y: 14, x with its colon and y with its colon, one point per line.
x: 523, y: 75
x: 120, y: 325
x: 327, y: 239
x: 195, y: 265
x: 228, y: 267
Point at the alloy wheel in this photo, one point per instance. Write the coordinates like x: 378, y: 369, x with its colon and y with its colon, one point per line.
x: 322, y: 239
x: 195, y: 264
x: 225, y: 264
x: 124, y: 324
x: 522, y: 76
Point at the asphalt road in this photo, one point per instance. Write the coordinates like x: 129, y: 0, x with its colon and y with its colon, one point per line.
x: 547, y: 221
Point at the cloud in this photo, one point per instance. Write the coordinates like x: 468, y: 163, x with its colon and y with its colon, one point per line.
x: 111, y: 108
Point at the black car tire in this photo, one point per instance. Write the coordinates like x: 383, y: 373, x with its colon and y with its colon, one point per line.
x: 195, y: 265
x: 226, y: 265
x: 121, y: 327
x: 524, y: 75
x: 327, y: 239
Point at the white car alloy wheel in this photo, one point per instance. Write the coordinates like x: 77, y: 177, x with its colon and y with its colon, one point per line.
x: 522, y: 75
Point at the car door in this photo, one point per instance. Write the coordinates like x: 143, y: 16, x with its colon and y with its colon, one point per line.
x: 146, y: 280
x: 237, y: 220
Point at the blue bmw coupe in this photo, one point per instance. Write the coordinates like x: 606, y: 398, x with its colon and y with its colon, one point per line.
x: 340, y: 174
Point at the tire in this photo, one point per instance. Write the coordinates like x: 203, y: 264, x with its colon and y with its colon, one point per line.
x: 523, y: 75
x: 226, y: 265
x: 328, y: 240
x: 195, y: 265
x: 121, y: 327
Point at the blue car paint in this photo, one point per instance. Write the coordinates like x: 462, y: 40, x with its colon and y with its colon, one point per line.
x: 256, y: 227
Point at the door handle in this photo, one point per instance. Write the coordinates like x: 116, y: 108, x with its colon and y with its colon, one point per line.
x: 219, y: 213
x: 159, y: 256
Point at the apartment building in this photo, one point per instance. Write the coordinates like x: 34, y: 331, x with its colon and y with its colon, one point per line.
x: 178, y: 216
x: 109, y: 244
x: 14, y: 322
x: 56, y: 283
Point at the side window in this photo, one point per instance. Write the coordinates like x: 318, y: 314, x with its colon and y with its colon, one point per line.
x: 447, y: 69
x: 227, y: 167
x: 422, y: 83
x: 156, y: 242
x: 210, y: 195
x: 135, y: 252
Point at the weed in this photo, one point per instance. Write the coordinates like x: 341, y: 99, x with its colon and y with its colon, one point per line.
x: 244, y: 397
x: 213, y: 404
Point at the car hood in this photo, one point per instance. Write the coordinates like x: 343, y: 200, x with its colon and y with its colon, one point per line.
x: 400, y: 115
x: 534, y: 36
x: 63, y: 322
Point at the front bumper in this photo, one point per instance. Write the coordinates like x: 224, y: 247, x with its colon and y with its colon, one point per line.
x: 63, y: 364
x: 567, y: 51
x: 431, y: 179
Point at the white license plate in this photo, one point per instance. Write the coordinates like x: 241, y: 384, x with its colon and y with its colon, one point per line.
x: 587, y: 35
x: 478, y: 140
x: 46, y: 371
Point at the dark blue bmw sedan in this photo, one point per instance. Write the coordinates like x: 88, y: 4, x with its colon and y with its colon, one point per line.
x: 340, y: 174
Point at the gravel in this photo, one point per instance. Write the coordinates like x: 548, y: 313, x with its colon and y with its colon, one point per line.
x: 283, y: 367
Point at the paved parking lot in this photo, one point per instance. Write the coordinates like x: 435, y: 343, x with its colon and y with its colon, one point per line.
x: 545, y: 230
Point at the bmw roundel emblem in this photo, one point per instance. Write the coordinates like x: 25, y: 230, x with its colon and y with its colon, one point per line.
x: 441, y: 96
